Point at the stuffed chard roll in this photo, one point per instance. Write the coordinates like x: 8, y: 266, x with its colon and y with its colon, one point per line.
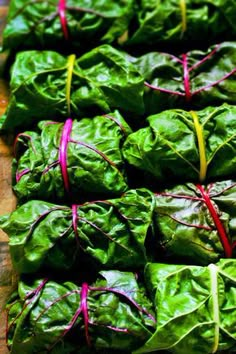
x: 186, y: 22
x: 196, y: 223
x: 47, y: 84
x: 186, y: 145
x: 65, y: 23
x: 195, y: 79
x: 104, y: 233
x: 65, y: 160
x: 195, y: 306
x: 61, y: 317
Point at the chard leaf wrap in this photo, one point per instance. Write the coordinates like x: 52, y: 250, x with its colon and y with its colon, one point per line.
x: 186, y: 22
x: 39, y: 24
x: 62, y: 317
x: 105, y: 233
x: 186, y: 146
x: 47, y: 84
x: 195, y: 79
x: 195, y: 306
x: 196, y: 223
x: 65, y: 160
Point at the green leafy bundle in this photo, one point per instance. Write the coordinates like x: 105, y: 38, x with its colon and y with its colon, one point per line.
x: 196, y: 307
x: 184, y: 21
x: 186, y: 146
x: 66, y: 160
x: 61, y: 23
x: 48, y: 85
x: 110, y: 233
x: 195, y: 79
x: 113, y: 313
x: 197, y: 223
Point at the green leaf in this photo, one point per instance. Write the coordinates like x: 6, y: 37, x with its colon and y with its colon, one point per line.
x: 36, y: 24
x: 189, y: 229
x: 47, y: 85
x: 195, y: 307
x: 108, y: 233
x: 113, y: 313
x: 181, y: 22
x: 65, y: 161
x: 168, y: 148
x: 195, y: 80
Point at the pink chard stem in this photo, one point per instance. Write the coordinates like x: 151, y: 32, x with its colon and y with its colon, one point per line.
x: 62, y: 14
x: 84, y: 308
x: 186, y: 78
x: 65, y: 137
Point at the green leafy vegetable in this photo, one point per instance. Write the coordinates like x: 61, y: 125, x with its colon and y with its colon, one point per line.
x: 61, y: 23
x: 112, y: 233
x: 195, y: 79
x: 197, y: 223
x: 69, y: 159
x: 190, y: 22
x: 48, y: 85
x: 195, y: 305
x: 186, y: 146
x: 113, y: 313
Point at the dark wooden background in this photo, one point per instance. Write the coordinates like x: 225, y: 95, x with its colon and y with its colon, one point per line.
x: 7, y: 200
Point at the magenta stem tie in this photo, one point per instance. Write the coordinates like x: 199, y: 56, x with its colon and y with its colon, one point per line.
x: 65, y: 138
x: 62, y: 14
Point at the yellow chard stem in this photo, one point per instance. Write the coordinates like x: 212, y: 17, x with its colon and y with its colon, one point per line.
x: 70, y: 67
x: 183, y: 15
x: 201, y: 146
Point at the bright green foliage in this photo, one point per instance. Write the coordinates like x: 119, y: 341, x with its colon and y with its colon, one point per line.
x: 186, y: 146
x: 110, y: 233
x: 196, y: 307
x: 196, y: 223
x: 36, y: 23
x: 47, y: 85
x: 193, y: 80
x: 184, y: 21
x: 113, y: 313
x: 60, y: 163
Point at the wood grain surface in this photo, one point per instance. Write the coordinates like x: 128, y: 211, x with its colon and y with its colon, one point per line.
x: 7, y: 199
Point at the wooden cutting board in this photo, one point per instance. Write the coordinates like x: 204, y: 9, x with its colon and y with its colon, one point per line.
x: 7, y: 199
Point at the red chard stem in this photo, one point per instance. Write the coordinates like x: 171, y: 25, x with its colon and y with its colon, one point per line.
x: 219, y: 226
x: 62, y: 14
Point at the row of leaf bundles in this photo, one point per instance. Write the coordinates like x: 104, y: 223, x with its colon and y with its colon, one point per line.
x: 65, y: 161
x: 47, y: 84
x: 189, y: 223
x: 192, y: 310
x: 82, y: 23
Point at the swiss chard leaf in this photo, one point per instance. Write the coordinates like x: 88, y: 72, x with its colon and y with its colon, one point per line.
x: 45, y: 84
x: 196, y: 223
x: 108, y: 233
x: 195, y: 306
x: 65, y: 161
x: 192, y: 80
x: 66, y: 24
x: 184, y: 22
x: 186, y: 146
x: 113, y: 313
